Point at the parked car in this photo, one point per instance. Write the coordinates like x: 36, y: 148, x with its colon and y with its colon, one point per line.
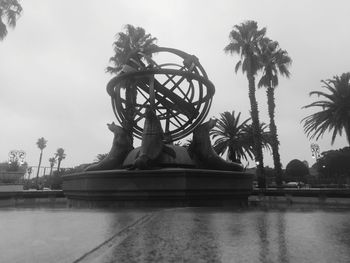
x: 272, y: 185
x: 292, y: 185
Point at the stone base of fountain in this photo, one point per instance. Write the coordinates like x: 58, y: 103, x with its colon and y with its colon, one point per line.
x: 168, y: 187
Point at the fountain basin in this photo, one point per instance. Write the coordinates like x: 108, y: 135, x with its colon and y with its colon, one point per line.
x: 162, y: 187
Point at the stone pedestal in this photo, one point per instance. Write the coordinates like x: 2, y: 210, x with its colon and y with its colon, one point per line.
x: 169, y: 187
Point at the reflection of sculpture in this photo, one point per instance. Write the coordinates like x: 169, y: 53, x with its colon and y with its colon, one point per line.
x: 203, y: 153
x: 122, y: 145
x: 152, y: 142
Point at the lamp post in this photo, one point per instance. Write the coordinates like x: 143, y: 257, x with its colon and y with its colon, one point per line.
x: 315, y: 151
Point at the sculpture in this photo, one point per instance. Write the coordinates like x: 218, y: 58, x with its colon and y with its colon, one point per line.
x: 152, y: 142
x: 179, y: 92
x: 203, y: 153
x: 180, y: 99
x: 121, y: 146
x: 164, y: 103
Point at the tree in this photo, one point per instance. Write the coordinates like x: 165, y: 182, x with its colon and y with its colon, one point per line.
x: 244, y: 41
x: 57, y: 179
x: 334, y: 164
x: 296, y: 170
x: 29, y: 171
x: 13, y: 166
x: 335, y: 113
x: 59, y: 155
x: 10, y: 10
x: 52, y: 161
x: 236, y: 137
x: 100, y: 157
x: 265, y: 135
x: 229, y: 134
x: 274, y: 61
x: 41, y: 143
x: 128, y: 44
x: 127, y: 48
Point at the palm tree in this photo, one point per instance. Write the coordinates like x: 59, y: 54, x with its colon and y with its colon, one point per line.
x: 266, y: 138
x: 126, y: 51
x: 41, y: 143
x: 29, y: 171
x: 52, y: 161
x: 10, y: 10
x: 229, y: 133
x: 60, y: 155
x: 237, y: 137
x: 128, y: 44
x: 274, y: 61
x: 100, y: 157
x: 335, y: 113
x: 244, y: 40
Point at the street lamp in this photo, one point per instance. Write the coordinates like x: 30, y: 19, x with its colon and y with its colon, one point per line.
x: 17, y: 156
x: 315, y: 150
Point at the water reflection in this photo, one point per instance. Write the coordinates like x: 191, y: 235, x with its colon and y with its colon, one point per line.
x: 177, y: 235
x: 203, y: 240
x: 181, y: 236
x: 262, y: 228
x: 283, y: 254
x: 116, y: 221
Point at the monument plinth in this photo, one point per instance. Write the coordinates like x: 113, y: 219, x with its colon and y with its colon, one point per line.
x: 160, y: 104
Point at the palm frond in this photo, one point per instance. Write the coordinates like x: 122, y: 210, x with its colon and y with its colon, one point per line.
x: 131, y: 44
x: 3, y: 29
x: 274, y: 61
x: 9, y: 10
x: 244, y: 40
x: 236, y: 136
x: 41, y: 143
x: 335, y: 112
x: 238, y: 66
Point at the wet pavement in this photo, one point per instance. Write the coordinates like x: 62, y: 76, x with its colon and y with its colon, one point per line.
x: 175, y: 235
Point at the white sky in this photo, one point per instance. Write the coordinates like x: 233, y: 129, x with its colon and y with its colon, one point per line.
x: 52, y: 66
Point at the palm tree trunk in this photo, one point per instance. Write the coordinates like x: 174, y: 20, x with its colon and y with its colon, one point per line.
x: 232, y: 156
x: 270, y: 92
x: 58, y: 165
x: 130, y: 97
x: 347, y: 132
x: 37, y: 172
x: 254, y: 112
x: 51, y: 168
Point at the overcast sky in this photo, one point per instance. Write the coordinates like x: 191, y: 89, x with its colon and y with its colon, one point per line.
x: 53, y: 80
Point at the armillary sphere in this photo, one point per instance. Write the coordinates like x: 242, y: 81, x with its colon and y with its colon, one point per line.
x: 179, y: 92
